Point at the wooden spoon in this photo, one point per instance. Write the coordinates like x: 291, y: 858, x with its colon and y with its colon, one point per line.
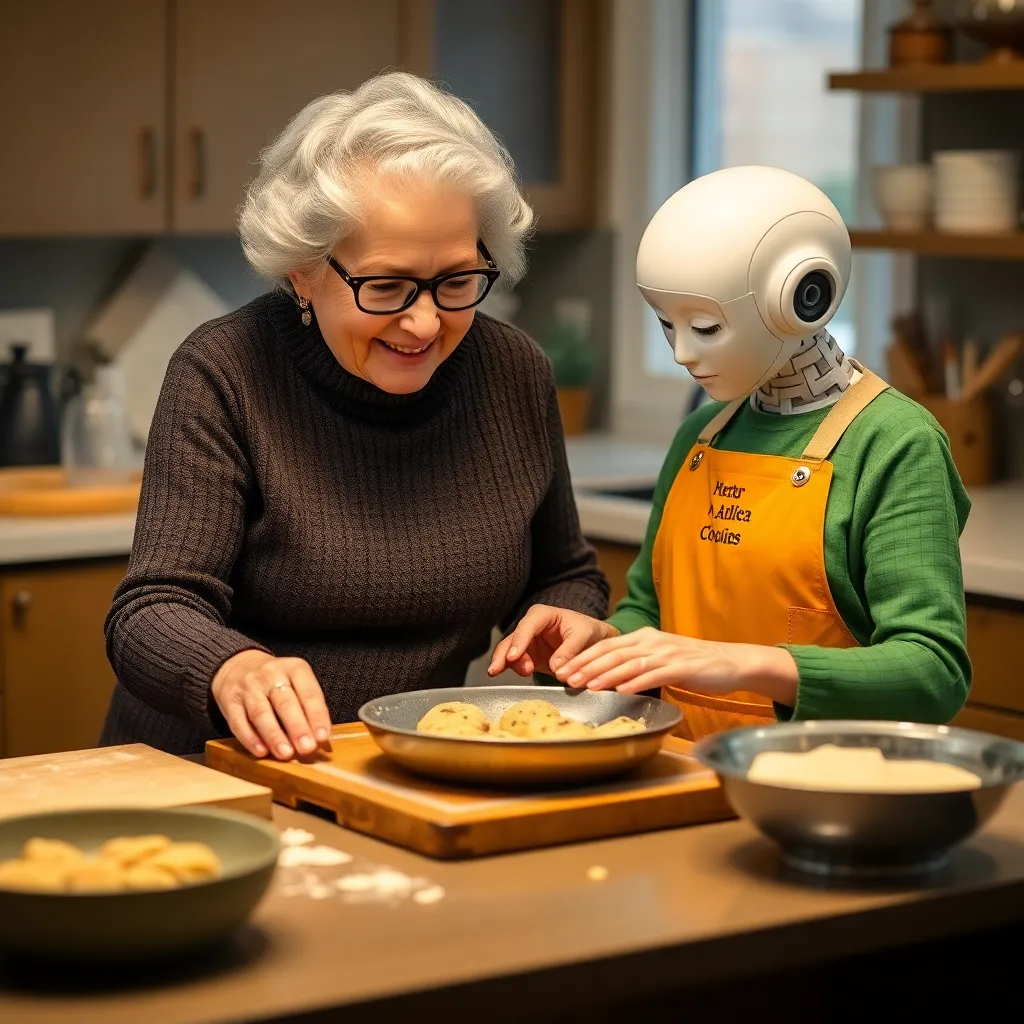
x: 995, y: 365
x: 904, y: 372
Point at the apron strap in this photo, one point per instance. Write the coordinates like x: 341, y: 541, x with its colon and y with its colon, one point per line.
x: 719, y: 421
x: 842, y: 414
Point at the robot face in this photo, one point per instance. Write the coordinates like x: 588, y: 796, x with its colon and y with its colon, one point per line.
x: 740, y: 265
x: 725, y: 346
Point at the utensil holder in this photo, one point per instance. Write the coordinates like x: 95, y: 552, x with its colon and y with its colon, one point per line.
x: 969, y: 427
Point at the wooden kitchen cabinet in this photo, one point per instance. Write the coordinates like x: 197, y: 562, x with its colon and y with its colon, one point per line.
x: 614, y: 561
x: 243, y: 68
x: 139, y: 117
x: 532, y: 71
x: 995, y: 642
x: 83, y: 117
x: 142, y: 117
x: 55, y: 680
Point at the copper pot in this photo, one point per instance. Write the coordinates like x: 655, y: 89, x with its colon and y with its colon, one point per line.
x: 919, y: 39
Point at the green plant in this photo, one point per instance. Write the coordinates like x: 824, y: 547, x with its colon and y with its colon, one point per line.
x: 572, y: 357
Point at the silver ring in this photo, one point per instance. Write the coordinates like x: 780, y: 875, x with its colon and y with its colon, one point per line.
x: 280, y: 686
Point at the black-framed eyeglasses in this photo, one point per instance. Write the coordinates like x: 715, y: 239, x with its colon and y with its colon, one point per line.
x: 383, y: 294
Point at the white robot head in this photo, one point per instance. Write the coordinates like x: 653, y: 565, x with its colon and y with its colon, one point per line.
x: 740, y: 265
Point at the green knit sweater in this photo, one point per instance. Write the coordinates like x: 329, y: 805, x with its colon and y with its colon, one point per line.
x: 893, y: 520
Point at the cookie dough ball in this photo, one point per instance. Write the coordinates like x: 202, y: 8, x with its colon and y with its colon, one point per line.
x: 560, y: 729
x: 460, y: 730
x: 497, y: 733
x: 521, y: 718
x: 443, y: 718
x: 51, y: 851
x: 188, y: 862
x: 129, y: 850
x: 96, y: 876
x: 148, y: 876
x: 621, y: 726
x: 33, y: 875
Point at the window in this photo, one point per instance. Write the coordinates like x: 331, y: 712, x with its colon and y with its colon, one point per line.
x: 757, y: 73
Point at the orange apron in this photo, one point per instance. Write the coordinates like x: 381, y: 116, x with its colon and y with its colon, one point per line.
x: 740, y: 554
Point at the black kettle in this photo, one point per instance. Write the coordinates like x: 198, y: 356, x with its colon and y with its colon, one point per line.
x: 29, y: 414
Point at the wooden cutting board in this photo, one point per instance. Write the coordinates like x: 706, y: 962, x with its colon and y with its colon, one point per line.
x: 368, y: 792
x: 128, y: 776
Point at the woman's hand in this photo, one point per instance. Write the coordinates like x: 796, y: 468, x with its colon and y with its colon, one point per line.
x: 545, y: 639
x: 649, y: 658
x: 272, y: 704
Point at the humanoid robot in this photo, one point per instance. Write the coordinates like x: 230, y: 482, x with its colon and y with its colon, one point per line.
x: 744, y: 268
x: 801, y: 559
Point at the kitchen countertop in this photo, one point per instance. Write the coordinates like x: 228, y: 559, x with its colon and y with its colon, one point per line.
x: 992, y: 546
x: 25, y: 539
x: 530, y: 936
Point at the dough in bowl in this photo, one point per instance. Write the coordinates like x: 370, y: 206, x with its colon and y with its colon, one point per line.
x: 621, y: 726
x: 857, y: 770
x: 560, y: 729
x: 96, y: 876
x: 149, y: 876
x: 188, y: 862
x: 33, y: 875
x: 51, y: 851
x: 128, y: 862
x: 454, y: 718
x: 524, y: 718
x: 528, y: 720
x: 129, y: 850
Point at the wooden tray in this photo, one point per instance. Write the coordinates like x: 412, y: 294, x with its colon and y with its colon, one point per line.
x: 133, y: 775
x: 49, y: 491
x: 369, y: 793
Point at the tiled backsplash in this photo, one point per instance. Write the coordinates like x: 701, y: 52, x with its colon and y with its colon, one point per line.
x: 75, y: 276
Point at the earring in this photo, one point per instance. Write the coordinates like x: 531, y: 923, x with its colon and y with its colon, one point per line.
x: 307, y: 316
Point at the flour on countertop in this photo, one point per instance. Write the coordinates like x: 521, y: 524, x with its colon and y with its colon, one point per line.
x: 427, y: 896
x: 369, y: 883
x: 296, y: 837
x: 312, y: 856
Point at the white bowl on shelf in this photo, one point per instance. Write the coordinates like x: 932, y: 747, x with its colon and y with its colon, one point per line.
x: 903, y: 195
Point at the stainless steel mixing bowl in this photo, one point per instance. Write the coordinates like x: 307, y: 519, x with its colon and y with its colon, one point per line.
x: 392, y: 723
x: 829, y: 833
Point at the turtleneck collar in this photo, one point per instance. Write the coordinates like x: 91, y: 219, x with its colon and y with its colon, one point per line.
x: 357, y: 397
x: 816, y: 377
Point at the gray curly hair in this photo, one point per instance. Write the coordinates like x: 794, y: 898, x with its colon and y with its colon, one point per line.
x: 309, y: 191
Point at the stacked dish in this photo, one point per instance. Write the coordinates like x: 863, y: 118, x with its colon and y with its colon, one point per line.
x: 977, y: 191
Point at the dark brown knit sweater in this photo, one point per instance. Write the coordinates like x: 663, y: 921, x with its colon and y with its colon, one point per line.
x: 289, y: 505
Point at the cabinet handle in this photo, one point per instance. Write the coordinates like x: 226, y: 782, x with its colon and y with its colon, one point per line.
x: 197, y: 179
x: 147, y: 163
x: 22, y: 602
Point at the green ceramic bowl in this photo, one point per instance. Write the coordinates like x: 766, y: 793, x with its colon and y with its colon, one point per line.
x: 139, y: 924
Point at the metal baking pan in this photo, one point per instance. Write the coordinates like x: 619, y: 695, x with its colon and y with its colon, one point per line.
x: 392, y: 722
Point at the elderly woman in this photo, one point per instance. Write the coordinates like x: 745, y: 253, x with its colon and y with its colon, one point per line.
x: 351, y: 480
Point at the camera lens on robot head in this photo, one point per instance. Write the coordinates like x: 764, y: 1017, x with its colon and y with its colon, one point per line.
x: 813, y: 296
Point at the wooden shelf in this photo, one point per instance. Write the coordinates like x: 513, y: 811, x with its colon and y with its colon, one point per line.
x: 935, y: 243
x: 965, y: 77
